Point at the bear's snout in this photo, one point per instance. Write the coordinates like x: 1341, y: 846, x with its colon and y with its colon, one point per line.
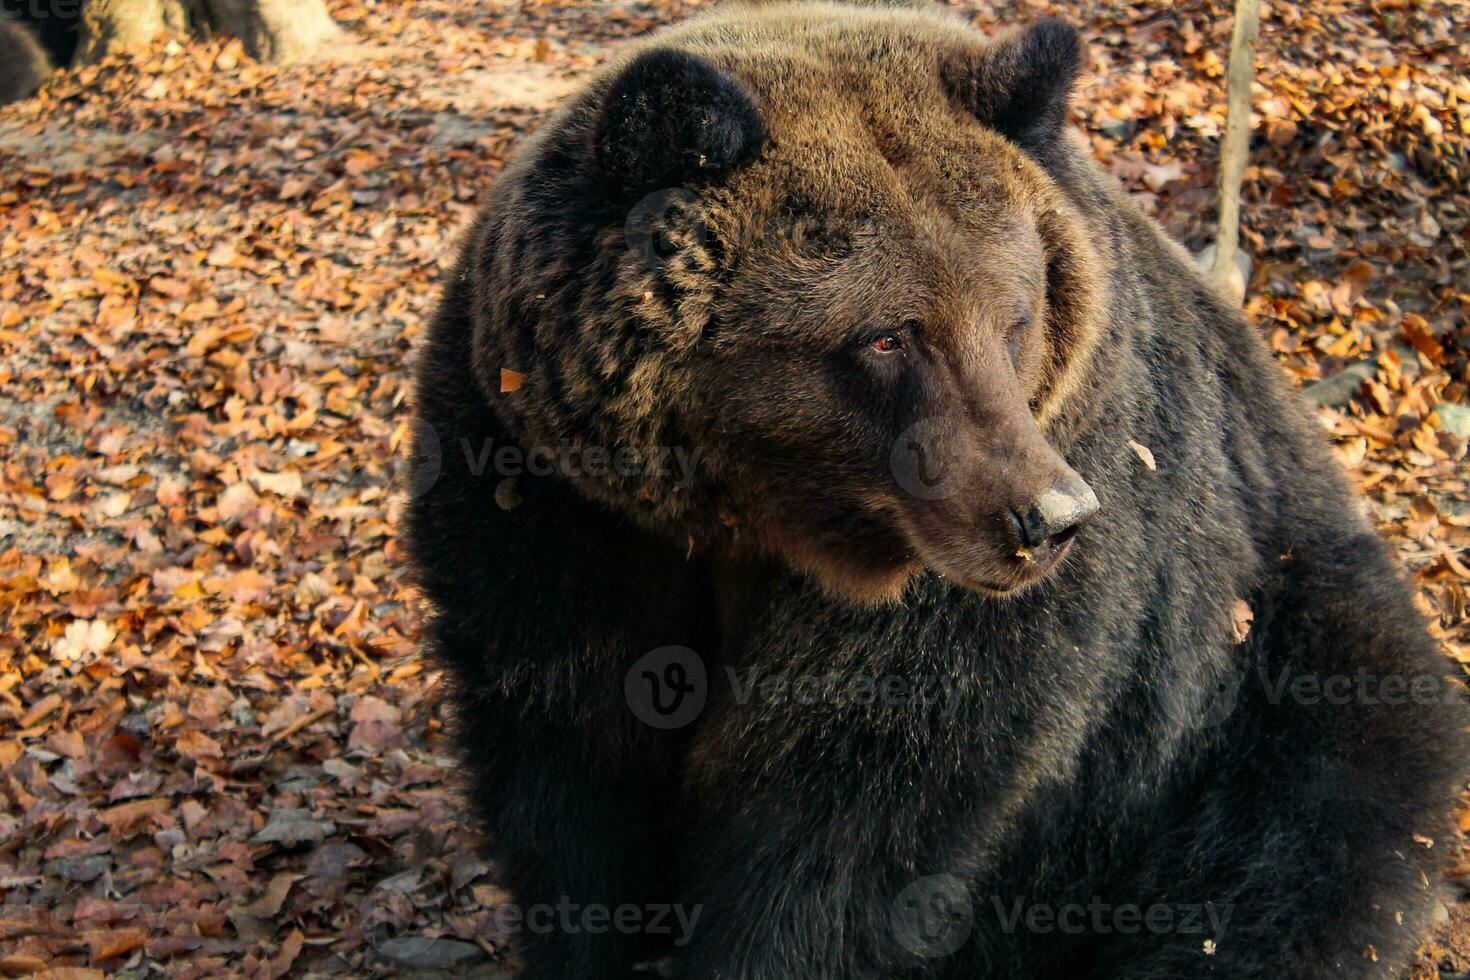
x: 988, y: 501
x: 1045, y: 528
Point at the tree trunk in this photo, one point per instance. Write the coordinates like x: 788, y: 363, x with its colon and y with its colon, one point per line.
x: 1240, y: 76
x: 271, y: 30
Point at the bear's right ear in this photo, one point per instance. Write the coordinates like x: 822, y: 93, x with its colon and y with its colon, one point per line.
x: 1021, y: 84
x: 672, y: 118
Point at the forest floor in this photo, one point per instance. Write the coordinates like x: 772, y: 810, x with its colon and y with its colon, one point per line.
x: 219, y: 753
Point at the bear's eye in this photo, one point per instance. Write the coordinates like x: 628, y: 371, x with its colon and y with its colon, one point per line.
x: 886, y: 343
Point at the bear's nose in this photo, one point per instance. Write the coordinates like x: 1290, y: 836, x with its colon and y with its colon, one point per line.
x: 1052, y: 519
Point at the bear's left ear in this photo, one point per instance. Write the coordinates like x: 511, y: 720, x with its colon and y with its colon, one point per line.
x: 672, y: 118
x: 1021, y: 84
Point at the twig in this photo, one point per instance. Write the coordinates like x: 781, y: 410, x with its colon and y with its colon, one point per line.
x: 1239, y: 78
x: 301, y: 723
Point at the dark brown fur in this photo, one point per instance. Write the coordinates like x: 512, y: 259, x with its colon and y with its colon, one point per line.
x: 23, y: 65
x: 846, y: 169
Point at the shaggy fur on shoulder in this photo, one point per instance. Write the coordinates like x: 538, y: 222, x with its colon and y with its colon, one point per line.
x: 761, y: 350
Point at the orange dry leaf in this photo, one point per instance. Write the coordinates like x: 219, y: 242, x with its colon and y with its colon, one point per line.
x: 105, y: 944
x: 126, y: 817
x: 167, y: 286
x: 197, y: 745
x: 40, y: 710
x: 1416, y: 328
x: 1241, y: 617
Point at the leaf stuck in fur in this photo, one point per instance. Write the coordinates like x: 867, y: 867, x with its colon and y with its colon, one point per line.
x: 1144, y: 453
x: 1241, y: 617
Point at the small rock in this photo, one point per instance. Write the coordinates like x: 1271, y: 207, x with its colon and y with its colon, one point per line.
x: 330, y: 864
x: 1240, y: 276
x: 299, y: 779
x: 1454, y: 418
x: 293, y: 828
x: 421, y: 953
x: 80, y: 870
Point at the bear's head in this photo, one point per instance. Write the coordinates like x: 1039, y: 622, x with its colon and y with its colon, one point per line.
x: 822, y: 253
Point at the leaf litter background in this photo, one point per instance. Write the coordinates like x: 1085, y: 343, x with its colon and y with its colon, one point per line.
x: 220, y: 755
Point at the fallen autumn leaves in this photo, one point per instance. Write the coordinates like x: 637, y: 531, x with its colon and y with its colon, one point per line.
x: 219, y: 753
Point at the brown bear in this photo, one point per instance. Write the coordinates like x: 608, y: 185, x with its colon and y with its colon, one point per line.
x: 800, y: 583
x: 23, y: 64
